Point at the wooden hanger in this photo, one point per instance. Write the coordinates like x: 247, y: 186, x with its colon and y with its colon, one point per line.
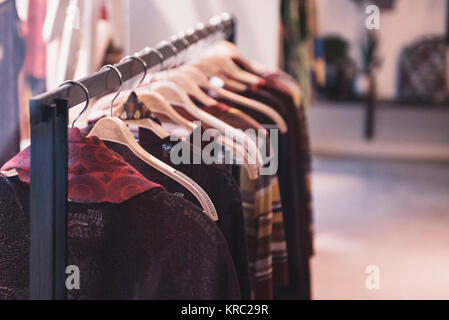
x: 226, y: 47
x: 158, y: 104
x: 233, y: 84
x: 252, y: 159
x: 230, y: 49
x: 99, y: 110
x: 189, y: 86
x: 131, y: 111
x: 255, y: 105
x: 152, y: 100
x: 214, y: 72
x: 173, y: 94
x: 115, y: 130
x: 151, y: 125
x: 249, y: 162
x: 217, y: 64
x: 182, y: 80
x: 269, y: 112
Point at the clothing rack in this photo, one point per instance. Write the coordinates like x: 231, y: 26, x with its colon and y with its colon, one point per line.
x: 49, y: 154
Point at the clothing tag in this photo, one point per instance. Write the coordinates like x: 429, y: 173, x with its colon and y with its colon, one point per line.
x: 134, y: 109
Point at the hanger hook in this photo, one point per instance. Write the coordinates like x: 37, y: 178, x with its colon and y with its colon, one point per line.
x: 86, y: 92
x: 144, y: 64
x: 120, y: 78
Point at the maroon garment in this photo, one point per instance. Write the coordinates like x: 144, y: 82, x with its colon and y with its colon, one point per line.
x: 294, y: 158
x: 276, y: 88
x: 266, y: 249
x: 216, y: 180
x: 153, y: 245
x: 231, y: 116
x: 263, y: 248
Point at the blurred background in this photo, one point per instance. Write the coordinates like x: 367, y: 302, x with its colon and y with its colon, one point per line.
x: 377, y: 101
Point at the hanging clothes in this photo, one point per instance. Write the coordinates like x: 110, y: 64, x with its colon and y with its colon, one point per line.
x: 266, y: 202
x: 12, y: 52
x: 144, y: 226
x: 129, y: 237
x: 216, y: 179
x: 262, y: 206
x: 294, y: 176
x: 262, y: 209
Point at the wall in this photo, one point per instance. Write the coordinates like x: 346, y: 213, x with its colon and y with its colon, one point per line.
x: 257, y: 33
x: 410, y: 20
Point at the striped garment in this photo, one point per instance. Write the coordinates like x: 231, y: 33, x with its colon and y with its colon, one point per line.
x: 264, y: 222
x: 267, y: 249
x: 262, y: 209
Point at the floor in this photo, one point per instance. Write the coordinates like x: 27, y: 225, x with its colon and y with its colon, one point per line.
x: 392, y: 216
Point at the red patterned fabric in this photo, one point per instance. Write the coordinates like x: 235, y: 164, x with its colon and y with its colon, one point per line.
x: 96, y: 173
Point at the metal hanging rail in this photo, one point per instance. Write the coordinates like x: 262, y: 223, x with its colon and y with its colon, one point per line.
x: 49, y: 154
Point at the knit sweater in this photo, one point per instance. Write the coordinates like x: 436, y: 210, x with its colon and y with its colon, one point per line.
x: 153, y: 245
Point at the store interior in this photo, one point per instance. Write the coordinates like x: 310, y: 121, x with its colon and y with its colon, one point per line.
x: 373, y: 79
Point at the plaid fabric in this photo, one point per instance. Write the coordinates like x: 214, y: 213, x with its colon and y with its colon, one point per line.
x: 294, y: 181
x: 264, y: 222
x: 279, y: 244
x: 278, y: 89
x: 267, y: 249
